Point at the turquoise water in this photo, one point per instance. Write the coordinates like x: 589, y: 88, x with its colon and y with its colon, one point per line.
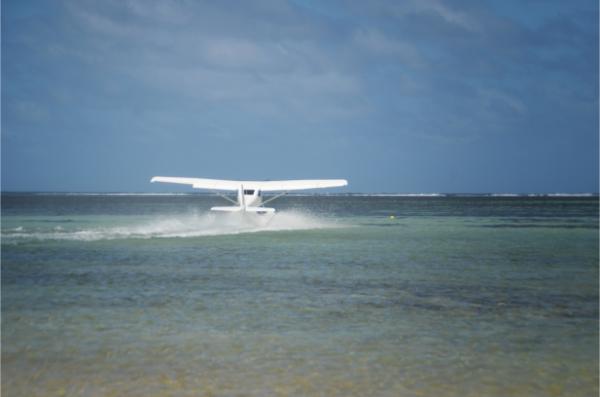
x: 141, y: 295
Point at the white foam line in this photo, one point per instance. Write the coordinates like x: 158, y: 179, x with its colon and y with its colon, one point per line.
x: 191, y: 226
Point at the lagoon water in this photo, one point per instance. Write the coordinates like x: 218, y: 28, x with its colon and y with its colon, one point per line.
x: 152, y: 295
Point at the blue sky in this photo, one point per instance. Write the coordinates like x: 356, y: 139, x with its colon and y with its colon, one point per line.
x: 395, y: 96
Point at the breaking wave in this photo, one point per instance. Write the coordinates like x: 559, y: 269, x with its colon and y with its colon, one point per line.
x: 193, y: 225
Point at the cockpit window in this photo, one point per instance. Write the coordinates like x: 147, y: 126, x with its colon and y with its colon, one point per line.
x: 248, y: 192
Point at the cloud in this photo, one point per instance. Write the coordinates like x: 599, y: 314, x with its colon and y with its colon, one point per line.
x: 275, y: 59
x: 413, y: 74
x: 375, y: 42
x: 205, y: 61
x: 456, y: 16
x: 29, y: 111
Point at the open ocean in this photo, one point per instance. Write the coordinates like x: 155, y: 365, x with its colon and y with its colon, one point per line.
x: 152, y: 295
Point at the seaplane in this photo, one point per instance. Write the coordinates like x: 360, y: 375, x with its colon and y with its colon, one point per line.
x: 250, y: 193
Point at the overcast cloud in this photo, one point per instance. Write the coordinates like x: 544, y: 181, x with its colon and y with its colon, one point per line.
x: 396, y: 96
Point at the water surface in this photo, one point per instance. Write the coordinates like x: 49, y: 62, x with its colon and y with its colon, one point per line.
x: 144, y: 295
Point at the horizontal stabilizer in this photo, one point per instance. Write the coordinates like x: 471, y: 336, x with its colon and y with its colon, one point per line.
x: 260, y: 209
x: 227, y: 209
x: 247, y: 209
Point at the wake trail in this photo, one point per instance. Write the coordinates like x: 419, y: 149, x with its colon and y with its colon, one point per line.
x: 182, y: 226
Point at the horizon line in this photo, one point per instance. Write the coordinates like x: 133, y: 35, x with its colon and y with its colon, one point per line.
x: 408, y: 194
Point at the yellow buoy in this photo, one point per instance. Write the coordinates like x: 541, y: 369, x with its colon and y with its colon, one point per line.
x: 392, y: 217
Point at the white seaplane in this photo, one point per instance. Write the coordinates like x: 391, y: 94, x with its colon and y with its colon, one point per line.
x: 249, y: 193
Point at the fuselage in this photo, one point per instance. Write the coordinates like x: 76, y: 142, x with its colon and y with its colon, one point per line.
x: 249, y: 197
x: 248, y: 200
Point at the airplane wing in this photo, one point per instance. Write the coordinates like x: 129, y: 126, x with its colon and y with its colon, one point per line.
x: 300, y: 184
x: 265, y: 186
x: 199, y: 183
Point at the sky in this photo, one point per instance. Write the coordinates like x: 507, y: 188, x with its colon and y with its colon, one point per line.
x: 395, y: 96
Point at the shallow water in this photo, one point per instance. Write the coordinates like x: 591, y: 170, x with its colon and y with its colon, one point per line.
x: 154, y: 295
